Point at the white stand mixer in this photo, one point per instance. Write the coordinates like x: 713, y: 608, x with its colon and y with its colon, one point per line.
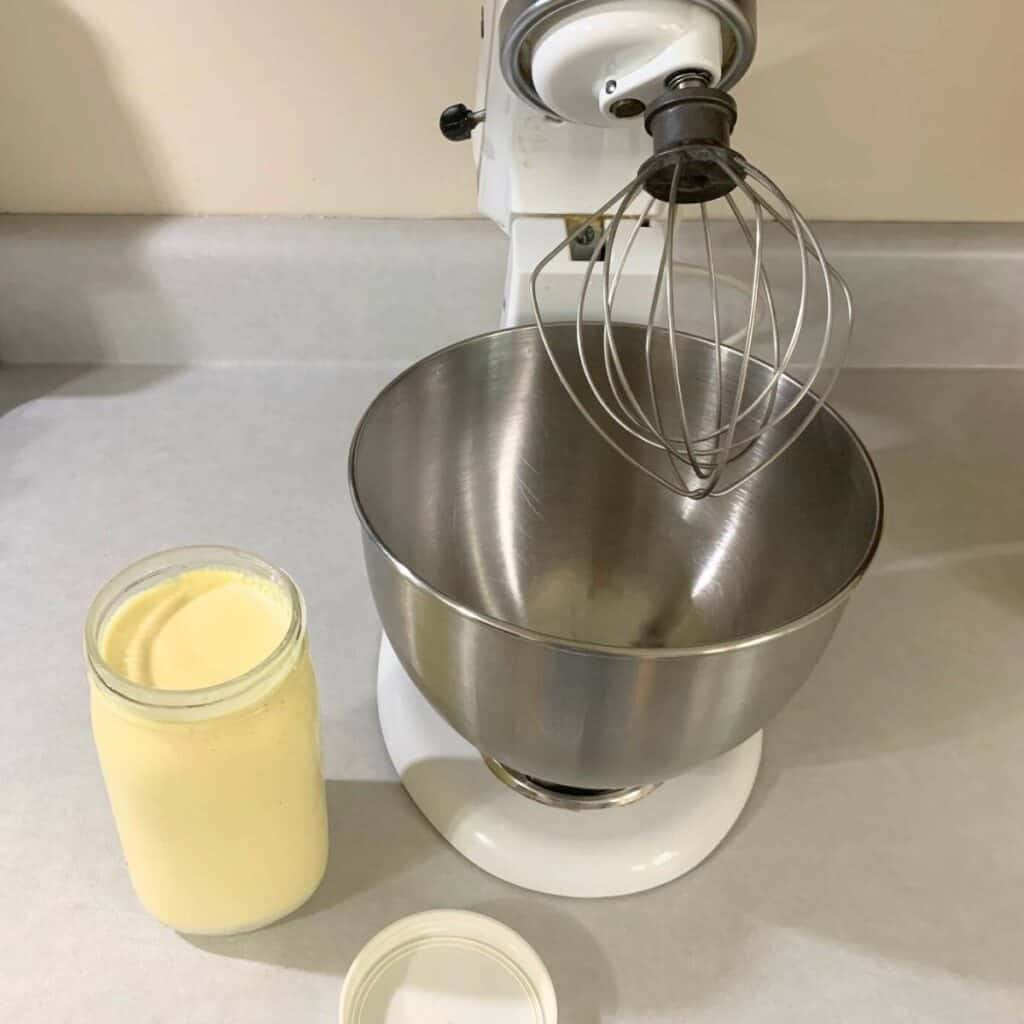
x: 563, y: 83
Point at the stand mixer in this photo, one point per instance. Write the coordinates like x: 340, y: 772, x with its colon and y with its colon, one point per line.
x: 607, y: 546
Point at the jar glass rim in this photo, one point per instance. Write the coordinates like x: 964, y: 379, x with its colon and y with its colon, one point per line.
x: 163, y: 565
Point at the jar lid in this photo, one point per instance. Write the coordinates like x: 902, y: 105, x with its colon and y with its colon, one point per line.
x: 448, y: 967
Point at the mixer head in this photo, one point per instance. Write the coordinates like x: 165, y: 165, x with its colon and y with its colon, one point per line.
x: 673, y: 60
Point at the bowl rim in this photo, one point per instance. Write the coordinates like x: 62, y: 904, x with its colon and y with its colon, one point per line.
x: 591, y: 647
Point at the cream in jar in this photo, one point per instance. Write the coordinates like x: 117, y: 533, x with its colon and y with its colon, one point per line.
x: 204, y: 714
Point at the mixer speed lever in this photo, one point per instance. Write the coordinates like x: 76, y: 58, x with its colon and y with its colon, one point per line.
x: 458, y: 121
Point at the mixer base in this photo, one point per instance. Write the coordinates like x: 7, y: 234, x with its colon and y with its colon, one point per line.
x: 591, y: 853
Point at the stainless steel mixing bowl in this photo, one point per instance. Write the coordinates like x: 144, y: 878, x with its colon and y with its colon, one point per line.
x: 571, y: 618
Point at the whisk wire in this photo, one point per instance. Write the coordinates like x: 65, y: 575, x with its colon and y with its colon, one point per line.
x: 673, y: 351
x: 716, y: 325
x: 556, y: 365
x: 655, y: 433
x: 605, y: 244
x: 802, y: 229
x: 618, y: 378
x: 799, y: 234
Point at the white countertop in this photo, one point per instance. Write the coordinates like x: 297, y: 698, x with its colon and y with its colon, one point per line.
x: 876, y: 876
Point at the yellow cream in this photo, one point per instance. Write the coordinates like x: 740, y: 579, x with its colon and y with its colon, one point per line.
x: 220, y: 807
x: 198, y: 629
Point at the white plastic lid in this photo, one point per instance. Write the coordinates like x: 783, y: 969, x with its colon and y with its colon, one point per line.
x: 448, y: 967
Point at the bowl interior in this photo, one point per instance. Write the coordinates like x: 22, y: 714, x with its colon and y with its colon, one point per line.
x: 477, y: 473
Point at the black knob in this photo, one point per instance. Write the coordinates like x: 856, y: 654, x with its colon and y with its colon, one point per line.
x: 458, y: 121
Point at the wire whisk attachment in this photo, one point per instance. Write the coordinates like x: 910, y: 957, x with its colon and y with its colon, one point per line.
x: 712, y: 408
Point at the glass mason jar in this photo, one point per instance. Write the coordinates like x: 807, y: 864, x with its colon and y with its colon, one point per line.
x: 218, y: 791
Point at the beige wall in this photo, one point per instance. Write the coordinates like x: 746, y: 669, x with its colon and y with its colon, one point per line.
x: 885, y: 109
